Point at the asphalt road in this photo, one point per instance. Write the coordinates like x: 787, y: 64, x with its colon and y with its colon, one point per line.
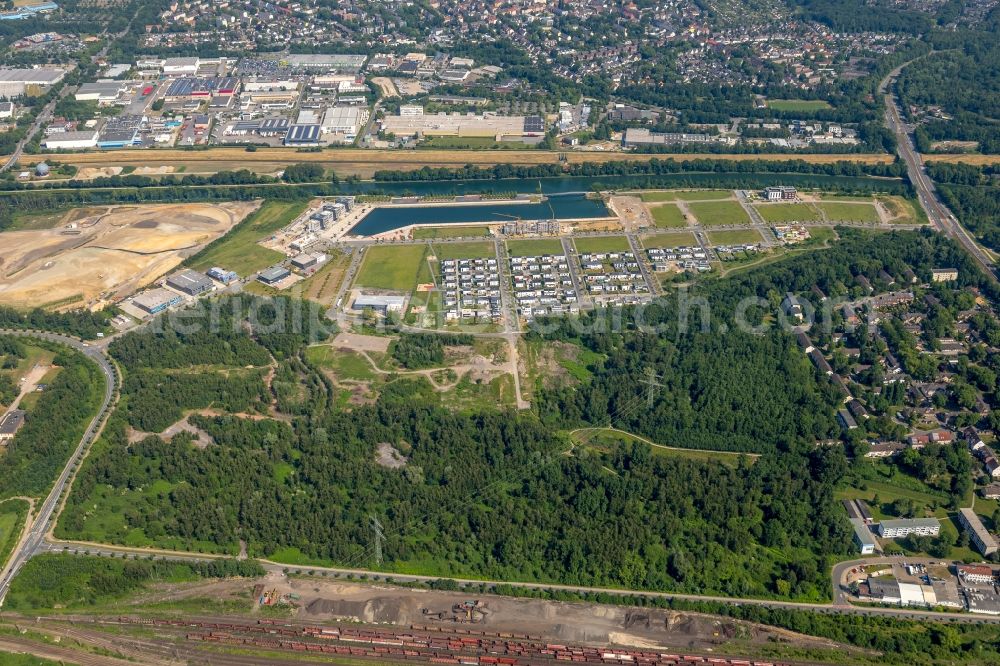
x: 938, y: 214
x: 839, y: 607
x: 33, y: 541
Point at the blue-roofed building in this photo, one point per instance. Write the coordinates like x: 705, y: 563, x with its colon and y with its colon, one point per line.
x: 20, y: 13
x: 302, y: 135
x: 222, y: 275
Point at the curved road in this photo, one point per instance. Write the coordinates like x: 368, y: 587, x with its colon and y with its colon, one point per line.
x: 34, y: 537
x: 35, y: 540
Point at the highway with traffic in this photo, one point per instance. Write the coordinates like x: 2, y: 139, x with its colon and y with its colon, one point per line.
x: 937, y: 213
x: 36, y: 537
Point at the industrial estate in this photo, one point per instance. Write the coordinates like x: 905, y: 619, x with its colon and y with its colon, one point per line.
x: 513, y: 333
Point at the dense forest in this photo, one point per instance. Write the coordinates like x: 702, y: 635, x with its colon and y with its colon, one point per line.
x: 505, y: 494
x: 425, y: 350
x: 72, y: 581
x: 214, y: 338
x: 78, y: 323
x: 53, y: 426
x: 956, y: 90
x: 973, y: 194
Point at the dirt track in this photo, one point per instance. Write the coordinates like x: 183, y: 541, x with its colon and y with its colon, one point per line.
x: 365, y: 162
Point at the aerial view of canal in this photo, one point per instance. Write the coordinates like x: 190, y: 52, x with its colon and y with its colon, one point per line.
x: 560, y: 207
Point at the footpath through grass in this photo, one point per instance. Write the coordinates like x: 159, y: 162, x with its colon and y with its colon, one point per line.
x: 238, y: 250
x: 668, y: 215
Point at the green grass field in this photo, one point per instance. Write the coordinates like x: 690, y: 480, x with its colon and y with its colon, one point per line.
x: 903, y: 211
x: 449, y: 231
x: 676, y: 239
x: 602, y: 244
x: 798, y: 104
x: 12, y: 514
x: 734, y: 236
x: 849, y: 212
x: 667, y: 216
x: 346, y: 365
x: 719, y: 213
x: 388, y: 267
x: 686, y: 195
x: 472, y: 250
x: 472, y: 142
x: 606, y: 440
x: 534, y: 247
x: 783, y: 213
x: 238, y: 250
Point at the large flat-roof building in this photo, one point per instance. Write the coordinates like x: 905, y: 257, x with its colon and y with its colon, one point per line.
x: 640, y: 136
x: 380, y: 304
x: 18, y: 82
x: 324, y: 61
x: 156, y: 301
x: 302, y: 135
x: 102, y: 92
x: 190, y: 282
x: 984, y: 541
x: 273, y: 275
x: 181, y: 65
x: 463, y: 124
x: 76, y: 140
x: 894, y: 529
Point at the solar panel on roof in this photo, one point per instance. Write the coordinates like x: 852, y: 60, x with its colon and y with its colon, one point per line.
x: 534, y: 124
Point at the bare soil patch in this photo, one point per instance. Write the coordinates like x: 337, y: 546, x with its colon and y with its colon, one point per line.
x: 362, y: 343
x: 387, y: 456
x: 104, y: 256
x: 320, y: 600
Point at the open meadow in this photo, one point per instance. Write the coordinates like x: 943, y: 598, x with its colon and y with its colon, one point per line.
x: 391, y: 268
x: 719, y: 213
x: 239, y: 251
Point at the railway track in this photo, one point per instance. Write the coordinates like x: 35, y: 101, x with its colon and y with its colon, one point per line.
x: 207, y: 640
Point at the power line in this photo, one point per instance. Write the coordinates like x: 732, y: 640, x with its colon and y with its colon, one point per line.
x: 652, y: 382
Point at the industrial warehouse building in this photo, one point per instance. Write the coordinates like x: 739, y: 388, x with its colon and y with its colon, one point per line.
x: 302, y: 135
x: 156, y: 301
x: 190, y: 282
x: 380, y: 304
x: 324, y: 61
x: 18, y: 82
x: 274, y: 274
x: 71, y: 140
x: 463, y: 124
x: 640, y: 136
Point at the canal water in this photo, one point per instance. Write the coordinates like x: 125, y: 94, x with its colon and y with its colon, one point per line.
x: 561, y: 207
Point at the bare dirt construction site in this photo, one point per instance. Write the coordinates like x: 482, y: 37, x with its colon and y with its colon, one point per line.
x: 107, y: 253
x: 319, y: 601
